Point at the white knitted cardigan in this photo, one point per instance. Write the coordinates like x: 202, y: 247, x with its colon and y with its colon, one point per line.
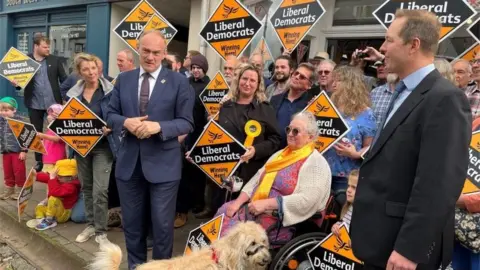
x: 311, y: 193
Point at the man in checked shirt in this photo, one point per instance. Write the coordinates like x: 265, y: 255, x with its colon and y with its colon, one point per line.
x: 473, y: 92
x: 381, y: 96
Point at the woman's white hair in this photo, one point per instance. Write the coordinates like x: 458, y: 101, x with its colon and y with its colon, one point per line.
x: 310, y: 121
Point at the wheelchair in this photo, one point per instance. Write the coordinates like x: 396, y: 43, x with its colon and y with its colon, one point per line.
x: 292, y: 254
x: 306, y: 235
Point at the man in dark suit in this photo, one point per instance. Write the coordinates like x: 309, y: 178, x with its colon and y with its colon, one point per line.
x: 44, y: 89
x: 403, y: 211
x: 153, y: 106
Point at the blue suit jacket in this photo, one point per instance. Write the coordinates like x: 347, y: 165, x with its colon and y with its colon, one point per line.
x: 171, y: 104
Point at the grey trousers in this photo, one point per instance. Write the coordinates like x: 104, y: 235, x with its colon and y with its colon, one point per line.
x: 94, y: 174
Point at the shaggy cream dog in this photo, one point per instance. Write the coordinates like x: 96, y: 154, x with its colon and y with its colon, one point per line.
x: 244, y: 247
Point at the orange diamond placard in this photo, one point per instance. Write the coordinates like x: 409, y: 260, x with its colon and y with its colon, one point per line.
x: 26, y: 135
x: 470, y: 53
x: 130, y: 28
x: 330, y: 122
x: 333, y: 251
x: 213, y: 93
x: 294, y: 19
x: 472, y: 183
x: 158, y: 22
x: 230, y: 28
x: 452, y: 14
x: 216, y: 152
x: 78, y: 127
x: 204, y: 235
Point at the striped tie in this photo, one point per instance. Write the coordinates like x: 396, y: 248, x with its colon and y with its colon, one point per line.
x: 144, y: 94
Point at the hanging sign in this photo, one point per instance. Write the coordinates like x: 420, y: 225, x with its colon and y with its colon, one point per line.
x: 213, y: 94
x: 25, y: 194
x: 17, y: 66
x: 78, y: 126
x: 216, y: 152
x: 204, y: 235
x: 230, y: 29
x: 293, y: 19
x: 158, y: 22
x: 130, y: 28
x: 334, y: 252
x: 452, y: 14
x: 26, y: 135
x: 472, y: 183
x: 330, y: 122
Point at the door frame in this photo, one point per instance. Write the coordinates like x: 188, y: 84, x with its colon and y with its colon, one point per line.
x: 31, y: 31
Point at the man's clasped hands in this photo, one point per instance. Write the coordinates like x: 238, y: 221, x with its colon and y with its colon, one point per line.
x: 141, y: 127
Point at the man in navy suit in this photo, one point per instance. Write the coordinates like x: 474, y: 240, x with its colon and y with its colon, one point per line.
x: 153, y: 106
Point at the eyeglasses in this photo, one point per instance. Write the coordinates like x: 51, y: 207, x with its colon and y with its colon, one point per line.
x: 294, y: 131
x: 322, y: 72
x: 475, y: 61
x: 301, y: 76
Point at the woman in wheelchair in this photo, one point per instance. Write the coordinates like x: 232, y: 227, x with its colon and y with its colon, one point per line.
x: 295, y: 183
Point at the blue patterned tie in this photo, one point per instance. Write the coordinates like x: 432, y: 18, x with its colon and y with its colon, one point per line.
x: 144, y: 94
x: 398, y: 90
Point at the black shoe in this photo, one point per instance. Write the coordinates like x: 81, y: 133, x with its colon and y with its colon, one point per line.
x: 207, y: 213
x: 38, y: 166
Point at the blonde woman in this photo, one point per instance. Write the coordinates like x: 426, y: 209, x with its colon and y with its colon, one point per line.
x: 94, y: 91
x: 445, y: 69
x: 351, y: 97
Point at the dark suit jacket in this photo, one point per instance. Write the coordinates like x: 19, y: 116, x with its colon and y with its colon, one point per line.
x: 170, y: 104
x: 56, y: 76
x: 412, y: 177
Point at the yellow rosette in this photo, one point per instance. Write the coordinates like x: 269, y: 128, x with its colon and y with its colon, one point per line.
x: 253, y: 130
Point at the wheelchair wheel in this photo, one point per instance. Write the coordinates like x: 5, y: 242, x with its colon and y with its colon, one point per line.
x: 294, y: 254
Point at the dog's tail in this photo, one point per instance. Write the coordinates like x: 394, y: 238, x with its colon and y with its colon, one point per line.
x: 108, y: 258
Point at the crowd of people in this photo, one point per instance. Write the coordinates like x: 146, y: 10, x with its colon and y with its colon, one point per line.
x: 412, y: 119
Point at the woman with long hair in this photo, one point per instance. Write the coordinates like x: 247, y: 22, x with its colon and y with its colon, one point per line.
x: 351, y: 97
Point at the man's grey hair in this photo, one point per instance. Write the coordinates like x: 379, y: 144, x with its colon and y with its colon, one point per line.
x: 129, y: 55
x: 469, y: 69
x: 327, y: 61
x: 310, y: 121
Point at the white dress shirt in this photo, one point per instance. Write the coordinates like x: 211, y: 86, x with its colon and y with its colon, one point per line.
x: 152, y: 80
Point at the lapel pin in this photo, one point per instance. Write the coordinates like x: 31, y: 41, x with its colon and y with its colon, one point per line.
x: 163, y: 81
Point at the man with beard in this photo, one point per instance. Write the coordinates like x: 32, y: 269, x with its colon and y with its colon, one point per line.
x: 295, y: 98
x: 229, y: 68
x: 283, y: 69
x: 176, y: 62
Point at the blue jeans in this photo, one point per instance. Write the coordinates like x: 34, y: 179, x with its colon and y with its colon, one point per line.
x: 464, y: 259
x: 78, y: 210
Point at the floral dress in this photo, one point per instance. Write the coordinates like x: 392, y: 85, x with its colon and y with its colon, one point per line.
x: 362, y: 126
x: 283, y: 185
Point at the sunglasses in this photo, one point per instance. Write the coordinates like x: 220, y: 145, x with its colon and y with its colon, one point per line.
x: 326, y: 72
x: 301, y: 76
x: 294, y: 131
x: 475, y: 61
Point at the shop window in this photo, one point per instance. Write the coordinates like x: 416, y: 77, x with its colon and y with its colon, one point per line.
x: 354, y: 12
x: 22, y: 42
x: 72, y: 40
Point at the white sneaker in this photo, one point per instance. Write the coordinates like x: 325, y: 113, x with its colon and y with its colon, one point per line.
x: 86, y: 234
x: 102, y: 239
x: 32, y: 223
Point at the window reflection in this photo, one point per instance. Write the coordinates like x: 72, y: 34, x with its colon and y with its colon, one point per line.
x: 354, y: 12
x: 67, y: 40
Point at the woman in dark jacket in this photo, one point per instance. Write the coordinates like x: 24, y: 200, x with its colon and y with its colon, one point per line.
x: 247, y: 109
x: 94, y: 91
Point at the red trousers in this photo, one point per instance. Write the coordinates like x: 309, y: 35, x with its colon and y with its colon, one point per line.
x: 13, y: 170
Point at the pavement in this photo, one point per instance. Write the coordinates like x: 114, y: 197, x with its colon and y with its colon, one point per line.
x: 62, y: 238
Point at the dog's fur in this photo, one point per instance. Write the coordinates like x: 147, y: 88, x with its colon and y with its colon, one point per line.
x: 244, y: 247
